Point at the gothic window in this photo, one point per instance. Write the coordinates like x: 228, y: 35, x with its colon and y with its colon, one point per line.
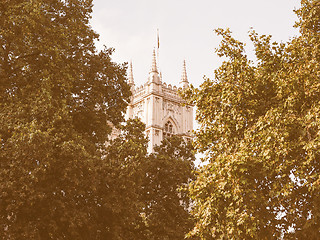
x: 168, y: 130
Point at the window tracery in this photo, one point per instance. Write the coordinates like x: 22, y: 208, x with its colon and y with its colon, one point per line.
x: 168, y: 130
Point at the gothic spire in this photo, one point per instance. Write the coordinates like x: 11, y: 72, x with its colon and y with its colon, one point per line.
x: 130, y: 77
x: 184, y: 79
x: 154, y: 62
x: 154, y: 74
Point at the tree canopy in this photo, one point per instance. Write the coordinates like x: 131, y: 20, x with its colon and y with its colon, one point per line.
x: 167, y: 204
x: 120, y: 178
x: 61, y: 178
x: 259, y: 131
x: 57, y: 93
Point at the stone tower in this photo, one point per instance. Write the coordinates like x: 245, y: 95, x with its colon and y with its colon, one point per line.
x: 160, y: 107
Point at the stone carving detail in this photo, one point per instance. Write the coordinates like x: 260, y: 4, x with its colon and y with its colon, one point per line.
x: 171, y: 107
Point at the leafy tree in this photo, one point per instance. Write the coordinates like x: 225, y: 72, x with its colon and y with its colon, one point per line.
x: 121, y: 175
x: 260, y: 132
x: 141, y: 196
x: 56, y: 95
x: 168, y: 171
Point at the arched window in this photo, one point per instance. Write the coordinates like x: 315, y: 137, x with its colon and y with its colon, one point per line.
x: 168, y: 130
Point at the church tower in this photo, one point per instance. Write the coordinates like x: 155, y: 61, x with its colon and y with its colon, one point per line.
x: 160, y: 107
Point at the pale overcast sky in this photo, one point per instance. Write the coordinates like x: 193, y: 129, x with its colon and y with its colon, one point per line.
x: 186, y: 31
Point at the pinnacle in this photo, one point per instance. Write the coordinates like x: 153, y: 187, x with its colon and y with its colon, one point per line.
x: 184, y: 78
x: 154, y: 62
x: 130, y: 77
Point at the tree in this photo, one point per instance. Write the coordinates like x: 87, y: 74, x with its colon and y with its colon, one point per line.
x: 142, y: 196
x: 168, y: 171
x: 260, y: 132
x: 120, y: 181
x: 56, y: 95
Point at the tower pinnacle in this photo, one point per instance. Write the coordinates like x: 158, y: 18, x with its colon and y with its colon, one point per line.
x: 184, y: 79
x: 154, y: 62
x: 130, y: 77
x: 154, y: 74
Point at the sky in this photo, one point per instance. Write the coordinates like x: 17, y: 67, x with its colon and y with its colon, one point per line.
x: 186, y: 31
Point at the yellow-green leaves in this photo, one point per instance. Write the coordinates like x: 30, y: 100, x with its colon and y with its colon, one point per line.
x: 259, y: 128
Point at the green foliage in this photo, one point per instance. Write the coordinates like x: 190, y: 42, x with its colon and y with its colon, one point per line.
x: 141, y: 196
x: 56, y: 95
x: 119, y: 185
x: 260, y: 132
x: 168, y: 171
